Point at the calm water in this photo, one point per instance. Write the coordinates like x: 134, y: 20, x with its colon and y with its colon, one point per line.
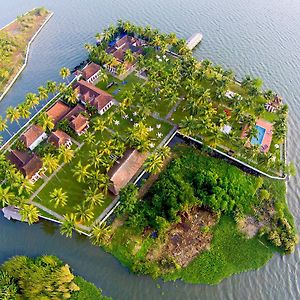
x: 257, y: 37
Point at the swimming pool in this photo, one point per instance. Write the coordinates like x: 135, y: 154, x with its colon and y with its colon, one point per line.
x: 260, y: 136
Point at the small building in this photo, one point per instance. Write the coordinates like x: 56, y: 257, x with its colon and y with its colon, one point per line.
x: 80, y: 124
x: 33, y: 136
x: 88, y: 93
x: 28, y: 164
x: 59, y: 138
x: 58, y: 111
x: 91, y: 72
x: 119, y: 49
x: 125, y: 169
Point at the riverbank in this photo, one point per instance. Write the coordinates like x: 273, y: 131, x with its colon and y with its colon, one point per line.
x: 19, y: 34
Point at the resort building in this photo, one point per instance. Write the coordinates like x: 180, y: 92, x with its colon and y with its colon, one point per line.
x: 119, y: 49
x: 58, y: 111
x: 124, y: 169
x: 80, y: 124
x: 88, y: 93
x: 91, y: 72
x: 28, y: 164
x: 59, y: 138
x: 33, y: 136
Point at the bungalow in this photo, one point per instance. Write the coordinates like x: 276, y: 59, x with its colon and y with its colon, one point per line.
x: 88, y: 93
x: 33, y: 136
x: 77, y: 121
x: 58, y: 111
x: 119, y: 49
x: 91, y: 72
x: 28, y: 164
x: 59, y: 138
x: 125, y: 169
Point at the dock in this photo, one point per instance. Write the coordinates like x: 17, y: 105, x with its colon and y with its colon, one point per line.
x: 194, y: 40
x: 11, y: 212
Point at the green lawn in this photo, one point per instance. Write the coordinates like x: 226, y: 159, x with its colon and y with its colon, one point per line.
x: 75, y: 190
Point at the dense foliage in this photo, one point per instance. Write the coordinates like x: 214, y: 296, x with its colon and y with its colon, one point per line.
x: 45, y: 277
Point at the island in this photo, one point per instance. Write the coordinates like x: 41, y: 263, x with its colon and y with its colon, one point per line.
x: 171, y: 164
x: 15, y: 40
x: 44, y: 277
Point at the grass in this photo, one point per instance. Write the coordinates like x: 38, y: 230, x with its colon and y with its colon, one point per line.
x: 75, y: 190
x: 230, y: 253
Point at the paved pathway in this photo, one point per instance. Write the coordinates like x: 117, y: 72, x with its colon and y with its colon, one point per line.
x: 173, y: 109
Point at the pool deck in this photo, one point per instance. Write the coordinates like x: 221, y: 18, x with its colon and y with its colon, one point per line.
x: 267, y: 139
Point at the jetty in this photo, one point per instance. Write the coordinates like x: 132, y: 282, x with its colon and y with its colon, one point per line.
x: 194, y: 40
x: 11, y: 212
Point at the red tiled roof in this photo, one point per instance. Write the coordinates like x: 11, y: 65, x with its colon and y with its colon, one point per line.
x: 79, y: 123
x: 58, y: 111
x: 74, y: 112
x: 27, y: 164
x: 31, y: 135
x: 125, y: 169
x: 90, y: 70
x: 93, y: 95
x: 58, y: 138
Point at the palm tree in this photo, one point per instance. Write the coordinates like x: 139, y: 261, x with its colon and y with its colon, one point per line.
x: 50, y: 162
x: 51, y: 86
x: 129, y: 57
x: 59, y: 197
x: 89, y: 138
x: 81, y: 172
x: 153, y: 163
x: 45, y: 122
x: 13, y: 114
x: 6, y: 196
x: 83, y: 214
x: 29, y: 213
x: 189, y: 125
x: 103, y: 77
x: 94, y: 198
x: 66, y: 154
x: 43, y: 93
x: 104, y: 183
x: 24, y: 110
x: 3, y: 126
x: 164, y: 152
x: 100, y: 234
x: 32, y: 100
x: 64, y: 73
x: 99, y: 125
x: 68, y: 225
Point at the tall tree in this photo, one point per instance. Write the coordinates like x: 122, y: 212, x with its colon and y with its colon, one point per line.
x: 45, y: 121
x: 59, y: 197
x: 68, y: 225
x: 29, y: 213
x: 100, y: 234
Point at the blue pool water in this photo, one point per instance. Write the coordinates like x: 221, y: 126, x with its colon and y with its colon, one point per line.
x: 260, y: 136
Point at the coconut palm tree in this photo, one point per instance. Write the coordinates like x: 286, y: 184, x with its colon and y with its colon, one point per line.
x: 89, y: 138
x: 153, y: 164
x: 64, y: 73
x: 94, y: 198
x: 66, y: 154
x: 24, y: 110
x: 45, y: 122
x: 3, y: 126
x: 83, y: 213
x: 50, y: 162
x: 13, y: 114
x: 99, y: 125
x: 100, y: 234
x: 129, y: 57
x: 59, y: 197
x: 29, y: 213
x: 164, y: 152
x: 104, y: 183
x: 32, y: 100
x: 51, y: 86
x: 189, y: 125
x: 43, y: 93
x: 103, y: 77
x: 6, y: 196
x: 81, y: 172
x: 68, y: 225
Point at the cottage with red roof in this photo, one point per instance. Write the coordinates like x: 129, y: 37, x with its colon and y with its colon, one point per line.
x: 58, y: 111
x: 91, y: 72
x: 88, y: 93
x: 28, y: 164
x: 33, y: 136
x: 59, y: 138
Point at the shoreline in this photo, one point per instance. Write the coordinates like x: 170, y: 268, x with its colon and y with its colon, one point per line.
x: 13, y: 80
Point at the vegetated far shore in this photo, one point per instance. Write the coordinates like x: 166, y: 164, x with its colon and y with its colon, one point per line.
x: 14, y: 39
x: 44, y: 277
x: 196, y: 222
